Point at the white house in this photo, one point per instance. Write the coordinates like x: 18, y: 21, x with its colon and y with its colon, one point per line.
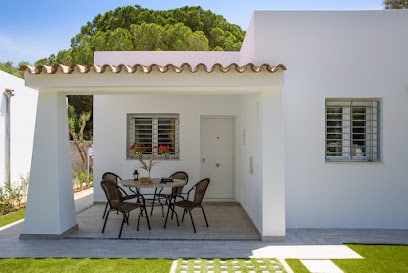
x: 319, y: 145
x: 18, y: 105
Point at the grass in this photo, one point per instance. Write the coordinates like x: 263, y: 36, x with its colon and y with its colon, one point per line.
x: 377, y: 259
x: 62, y: 265
x: 11, y: 217
x: 297, y: 266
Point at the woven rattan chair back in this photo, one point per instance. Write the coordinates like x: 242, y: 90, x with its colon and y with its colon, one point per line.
x: 111, y: 176
x: 112, y: 193
x: 179, y: 175
x: 200, y: 189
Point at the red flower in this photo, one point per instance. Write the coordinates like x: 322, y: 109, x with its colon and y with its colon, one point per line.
x: 164, y: 148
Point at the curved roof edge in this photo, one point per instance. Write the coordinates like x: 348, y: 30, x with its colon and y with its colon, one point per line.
x: 84, y: 69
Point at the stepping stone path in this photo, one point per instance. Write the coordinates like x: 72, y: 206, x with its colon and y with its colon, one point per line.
x: 255, y: 265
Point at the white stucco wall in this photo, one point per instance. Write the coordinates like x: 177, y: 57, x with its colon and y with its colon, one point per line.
x: 261, y: 140
x: 50, y: 206
x: 248, y: 141
x: 22, y: 121
x: 110, y: 130
x: 353, y: 54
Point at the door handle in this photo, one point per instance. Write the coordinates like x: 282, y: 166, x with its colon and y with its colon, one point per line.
x: 203, y: 160
x: 217, y: 165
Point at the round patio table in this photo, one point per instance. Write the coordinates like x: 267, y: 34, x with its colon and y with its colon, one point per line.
x: 156, y: 184
x: 153, y: 184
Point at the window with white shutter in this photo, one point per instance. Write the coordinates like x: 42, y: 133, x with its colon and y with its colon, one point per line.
x: 352, y: 130
x: 153, y: 130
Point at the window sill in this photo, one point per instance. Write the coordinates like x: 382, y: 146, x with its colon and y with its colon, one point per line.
x: 359, y: 162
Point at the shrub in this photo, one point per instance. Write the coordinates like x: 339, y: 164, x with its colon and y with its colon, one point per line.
x: 13, y: 195
x: 81, y: 180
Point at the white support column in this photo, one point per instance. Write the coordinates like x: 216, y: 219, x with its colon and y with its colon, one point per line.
x: 273, y: 159
x: 50, y: 204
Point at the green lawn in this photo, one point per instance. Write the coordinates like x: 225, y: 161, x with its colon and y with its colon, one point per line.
x: 62, y: 265
x: 11, y: 217
x: 85, y: 265
x: 377, y: 259
x: 297, y: 266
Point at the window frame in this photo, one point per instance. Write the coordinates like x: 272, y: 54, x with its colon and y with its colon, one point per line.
x: 351, y: 129
x: 156, y: 117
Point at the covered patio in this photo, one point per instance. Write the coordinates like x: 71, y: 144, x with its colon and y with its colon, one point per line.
x: 227, y: 221
x: 250, y: 95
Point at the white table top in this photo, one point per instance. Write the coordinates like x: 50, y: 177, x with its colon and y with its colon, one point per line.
x: 154, y: 183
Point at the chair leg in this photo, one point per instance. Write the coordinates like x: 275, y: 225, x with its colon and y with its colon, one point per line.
x: 205, y: 217
x: 167, y: 216
x: 138, y: 218
x: 127, y: 217
x: 121, y: 226
x: 173, y: 211
x: 162, y: 207
x: 154, y: 200
x: 106, y: 219
x: 104, y: 212
x: 184, y: 212
x: 192, y: 221
x: 147, y: 217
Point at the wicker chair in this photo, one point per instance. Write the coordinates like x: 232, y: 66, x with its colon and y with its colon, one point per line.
x: 187, y: 205
x: 116, y: 203
x: 175, y: 191
x: 116, y: 178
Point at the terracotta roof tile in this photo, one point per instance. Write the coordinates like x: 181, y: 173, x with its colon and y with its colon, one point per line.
x: 83, y: 69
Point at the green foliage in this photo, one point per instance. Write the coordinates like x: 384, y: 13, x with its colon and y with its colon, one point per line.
x: 136, y: 28
x: 11, y: 69
x: 76, y: 126
x: 79, y: 115
x: 377, y: 258
x: 12, y: 195
x: 81, y: 180
x: 396, y: 4
x: 88, y: 265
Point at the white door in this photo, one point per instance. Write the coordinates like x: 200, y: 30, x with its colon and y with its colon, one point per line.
x: 217, y: 157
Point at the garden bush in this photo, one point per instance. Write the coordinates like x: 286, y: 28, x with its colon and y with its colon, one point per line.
x: 13, y: 195
x: 81, y: 180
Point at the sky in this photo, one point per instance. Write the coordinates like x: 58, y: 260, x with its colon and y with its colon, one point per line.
x: 31, y: 30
